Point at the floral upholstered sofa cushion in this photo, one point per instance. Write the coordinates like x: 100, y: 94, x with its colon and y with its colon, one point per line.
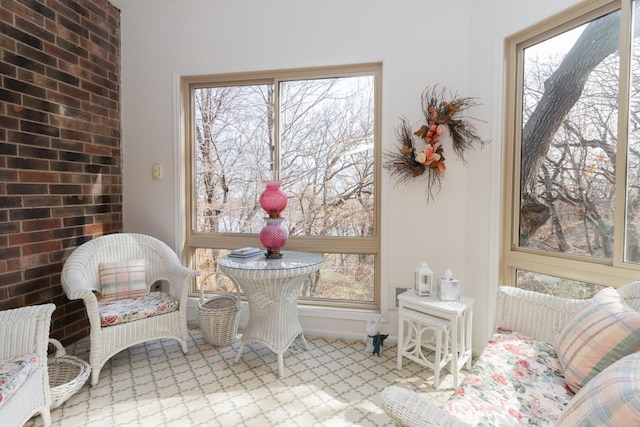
x: 127, y: 310
x: 517, y: 381
x: 13, y: 373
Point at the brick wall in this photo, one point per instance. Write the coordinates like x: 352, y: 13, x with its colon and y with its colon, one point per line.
x: 60, y: 153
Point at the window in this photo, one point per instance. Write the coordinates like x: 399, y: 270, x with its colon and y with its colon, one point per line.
x: 317, y: 131
x: 572, y: 152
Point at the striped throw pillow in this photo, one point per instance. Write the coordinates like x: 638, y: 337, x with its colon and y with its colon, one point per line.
x: 601, y: 333
x: 124, y: 279
x: 612, y: 398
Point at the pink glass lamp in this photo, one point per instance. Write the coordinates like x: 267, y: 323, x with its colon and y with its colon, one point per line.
x: 273, y: 236
x: 273, y: 200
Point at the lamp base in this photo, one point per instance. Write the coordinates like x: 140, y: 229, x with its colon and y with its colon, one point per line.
x: 273, y: 254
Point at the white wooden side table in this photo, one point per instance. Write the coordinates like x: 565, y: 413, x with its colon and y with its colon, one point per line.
x: 450, y: 322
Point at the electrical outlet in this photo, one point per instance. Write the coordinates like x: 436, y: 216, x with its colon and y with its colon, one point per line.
x: 394, y: 291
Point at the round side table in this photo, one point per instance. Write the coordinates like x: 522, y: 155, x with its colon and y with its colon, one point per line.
x: 272, y: 287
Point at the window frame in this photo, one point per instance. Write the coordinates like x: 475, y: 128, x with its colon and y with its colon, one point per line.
x: 603, y: 272
x: 320, y: 244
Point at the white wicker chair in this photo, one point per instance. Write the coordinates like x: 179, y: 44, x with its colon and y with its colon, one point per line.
x: 541, y: 317
x: 25, y: 331
x: 80, y: 278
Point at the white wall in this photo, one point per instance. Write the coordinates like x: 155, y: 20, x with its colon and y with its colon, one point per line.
x: 420, y: 42
x: 492, y: 22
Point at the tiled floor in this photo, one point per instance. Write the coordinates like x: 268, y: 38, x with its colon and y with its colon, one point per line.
x: 335, y: 383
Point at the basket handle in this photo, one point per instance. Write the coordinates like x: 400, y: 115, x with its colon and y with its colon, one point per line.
x: 216, y: 273
x: 60, y: 351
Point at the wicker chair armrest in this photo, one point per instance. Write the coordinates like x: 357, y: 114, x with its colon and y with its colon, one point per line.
x: 410, y: 409
x: 179, y: 278
x: 26, y: 330
x: 539, y: 316
x: 93, y: 312
x: 83, y: 294
x: 179, y: 270
x: 75, y: 281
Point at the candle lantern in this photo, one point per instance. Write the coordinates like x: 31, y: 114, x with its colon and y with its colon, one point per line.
x: 423, y: 282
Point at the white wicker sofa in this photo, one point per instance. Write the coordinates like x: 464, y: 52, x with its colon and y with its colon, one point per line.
x: 24, y: 380
x: 523, y: 374
x: 124, y: 322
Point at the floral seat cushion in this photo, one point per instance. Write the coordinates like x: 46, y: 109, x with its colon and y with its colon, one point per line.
x: 127, y: 310
x: 516, y: 382
x: 14, y: 372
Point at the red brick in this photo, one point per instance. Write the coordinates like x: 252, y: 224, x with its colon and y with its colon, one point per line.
x: 23, y: 238
x: 39, y: 248
x: 77, y: 326
x: 75, y: 333
x: 75, y: 178
x: 7, y: 175
x: 41, y: 200
x: 39, y: 297
x: 6, y: 15
x: 42, y: 224
x: 98, y: 149
x: 10, y: 278
x: 38, y: 176
x: 13, y: 302
x: 25, y: 262
x: 94, y: 229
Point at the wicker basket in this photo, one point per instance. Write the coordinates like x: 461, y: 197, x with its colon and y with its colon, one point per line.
x: 219, y: 315
x: 67, y: 374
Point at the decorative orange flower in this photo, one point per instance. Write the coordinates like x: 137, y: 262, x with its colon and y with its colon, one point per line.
x: 433, y: 157
x: 432, y: 134
x: 431, y: 153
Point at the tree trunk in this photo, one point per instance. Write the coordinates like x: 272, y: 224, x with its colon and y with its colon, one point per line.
x: 562, y: 90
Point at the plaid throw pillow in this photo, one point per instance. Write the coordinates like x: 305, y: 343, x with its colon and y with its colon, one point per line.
x: 612, y: 398
x: 124, y: 279
x: 601, y: 333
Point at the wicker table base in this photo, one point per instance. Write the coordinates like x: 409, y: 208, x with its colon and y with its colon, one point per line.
x: 271, y: 287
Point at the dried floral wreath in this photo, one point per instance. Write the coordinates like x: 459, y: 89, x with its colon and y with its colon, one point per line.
x: 440, y: 115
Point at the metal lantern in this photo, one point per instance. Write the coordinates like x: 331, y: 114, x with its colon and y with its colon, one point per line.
x: 423, y: 282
